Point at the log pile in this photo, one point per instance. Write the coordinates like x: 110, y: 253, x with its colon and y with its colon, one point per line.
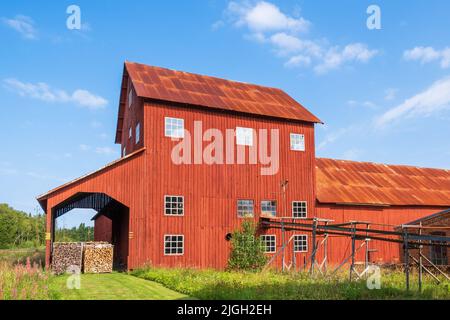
x: 67, y: 257
x: 98, y: 257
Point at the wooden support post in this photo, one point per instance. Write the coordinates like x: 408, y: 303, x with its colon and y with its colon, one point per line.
x: 352, y: 266
x: 325, y: 251
x: 406, y: 252
x: 313, y: 254
x: 420, y: 260
x: 283, y: 240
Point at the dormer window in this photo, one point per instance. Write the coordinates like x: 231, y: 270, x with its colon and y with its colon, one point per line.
x: 130, y: 133
x: 138, y: 133
x: 130, y: 98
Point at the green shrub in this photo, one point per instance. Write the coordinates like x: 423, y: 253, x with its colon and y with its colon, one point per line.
x: 246, y: 251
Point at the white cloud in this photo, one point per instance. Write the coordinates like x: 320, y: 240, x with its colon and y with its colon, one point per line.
x: 334, y: 58
x: 105, y: 150
x: 267, y: 24
x: 390, y: 94
x: 298, y: 61
x: 264, y: 17
x: 332, y: 137
x: 428, y: 54
x: 44, y: 92
x: 22, y: 24
x: 351, y: 154
x: 84, y: 147
x: 434, y: 99
x: 365, y: 104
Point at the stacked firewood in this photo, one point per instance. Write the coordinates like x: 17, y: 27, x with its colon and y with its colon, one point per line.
x: 67, y: 257
x: 98, y: 257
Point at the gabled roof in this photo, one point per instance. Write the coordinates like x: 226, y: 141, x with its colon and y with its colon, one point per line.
x: 210, y: 92
x: 350, y: 182
x: 43, y: 197
x: 433, y: 218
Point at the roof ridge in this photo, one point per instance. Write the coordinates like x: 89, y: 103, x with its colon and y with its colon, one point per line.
x: 383, y: 164
x: 204, y: 75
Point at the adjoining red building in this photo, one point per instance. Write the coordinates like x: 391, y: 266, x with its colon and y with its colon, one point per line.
x: 158, y: 211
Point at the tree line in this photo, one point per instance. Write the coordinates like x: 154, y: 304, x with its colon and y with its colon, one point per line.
x: 23, y: 230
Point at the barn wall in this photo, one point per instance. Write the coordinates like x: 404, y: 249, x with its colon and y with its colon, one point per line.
x: 211, y: 191
x: 123, y: 181
x: 386, y: 252
x: 103, y: 229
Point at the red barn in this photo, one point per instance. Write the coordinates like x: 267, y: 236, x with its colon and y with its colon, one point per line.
x: 200, y: 153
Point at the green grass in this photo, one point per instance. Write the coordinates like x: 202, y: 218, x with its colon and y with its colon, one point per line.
x: 211, y: 285
x: 114, y: 286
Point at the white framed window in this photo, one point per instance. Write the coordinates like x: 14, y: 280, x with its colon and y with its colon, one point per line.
x: 138, y: 132
x: 174, y: 127
x: 269, y: 207
x: 130, y: 98
x: 244, y: 136
x: 245, y: 208
x: 299, y: 209
x: 269, y: 243
x: 124, y: 151
x: 173, y: 244
x: 297, y: 142
x: 300, y: 243
x: 174, y: 205
x: 130, y: 132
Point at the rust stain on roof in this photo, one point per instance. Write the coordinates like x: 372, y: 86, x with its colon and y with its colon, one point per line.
x: 183, y: 87
x: 350, y: 182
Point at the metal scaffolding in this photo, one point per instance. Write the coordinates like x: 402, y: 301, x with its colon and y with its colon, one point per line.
x: 357, y: 231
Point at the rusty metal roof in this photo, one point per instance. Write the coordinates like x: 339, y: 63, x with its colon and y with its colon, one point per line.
x: 199, y: 90
x: 350, y: 182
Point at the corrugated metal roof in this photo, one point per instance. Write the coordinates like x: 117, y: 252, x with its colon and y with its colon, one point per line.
x: 350, y: 182
x: 183, y: 87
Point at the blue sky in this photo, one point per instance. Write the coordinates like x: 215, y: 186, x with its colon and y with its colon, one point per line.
x: 384, y: 95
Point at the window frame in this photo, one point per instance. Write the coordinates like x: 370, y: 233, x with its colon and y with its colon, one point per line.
x: 243, y: 216
x: 292, y: 138
x: 124, y: 151
x: 305, y: 241
x: 266, y: 212
x: 264, y: 242
x: 137, y: 132
x: 166, y: 119
x: 130, y: 132
x: 182, y: 244
x: 306, y: 209
x: 173, y: 196
x: 245, y: 131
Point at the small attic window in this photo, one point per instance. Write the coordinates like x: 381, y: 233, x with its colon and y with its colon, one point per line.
x: 130, y: 98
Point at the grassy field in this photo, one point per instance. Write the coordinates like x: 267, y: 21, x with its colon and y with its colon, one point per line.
x: 211, y: 285
x: 114, y: 286
x: 24, y: 279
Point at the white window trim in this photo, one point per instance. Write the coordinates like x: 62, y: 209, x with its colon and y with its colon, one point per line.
x: 275, y: 237
x: 306, y: 238
x: 172, y: 215
x: 306, y: 209
x: 244, y: 131
x: 237, y: 208
x: 165, y: 131
x: 291, y: 145
x: 164, y: 244
x: 138, y: 132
